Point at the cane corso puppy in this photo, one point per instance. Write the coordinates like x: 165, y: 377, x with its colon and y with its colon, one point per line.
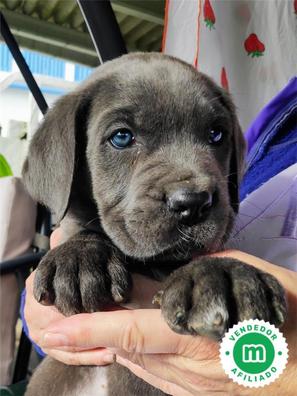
x: 143, y: 161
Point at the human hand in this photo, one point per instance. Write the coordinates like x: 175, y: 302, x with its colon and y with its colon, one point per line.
x: 141, y: 341
x: 38, y: 317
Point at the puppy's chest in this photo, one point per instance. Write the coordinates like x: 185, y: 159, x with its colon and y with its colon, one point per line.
x: 96, y: 385
x: 157, y: 270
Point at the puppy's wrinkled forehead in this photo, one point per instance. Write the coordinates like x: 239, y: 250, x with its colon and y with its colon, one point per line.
x: 160, y: 93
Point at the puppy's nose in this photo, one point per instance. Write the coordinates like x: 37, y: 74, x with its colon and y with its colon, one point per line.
x: 190, y: 207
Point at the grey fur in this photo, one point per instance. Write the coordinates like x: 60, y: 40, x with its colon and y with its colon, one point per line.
x: 116, y: 201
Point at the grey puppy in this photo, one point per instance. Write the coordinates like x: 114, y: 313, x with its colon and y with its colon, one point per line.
x: 143, y: 162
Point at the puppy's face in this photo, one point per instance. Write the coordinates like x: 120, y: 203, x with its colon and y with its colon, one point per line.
x: 162, y: 150
x: 159, y: 152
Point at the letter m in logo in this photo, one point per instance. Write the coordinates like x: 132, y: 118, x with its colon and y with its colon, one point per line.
x: 253, y: 353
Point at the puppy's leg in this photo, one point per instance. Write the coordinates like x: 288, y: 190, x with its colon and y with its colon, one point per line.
x: 209, y: 295
x: 82, y: 275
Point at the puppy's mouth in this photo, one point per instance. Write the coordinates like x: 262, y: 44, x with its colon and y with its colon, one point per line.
x: 187, y: 224
x: 162, y: 239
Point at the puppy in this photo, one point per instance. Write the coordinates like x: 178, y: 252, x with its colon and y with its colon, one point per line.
x: 142, y: 162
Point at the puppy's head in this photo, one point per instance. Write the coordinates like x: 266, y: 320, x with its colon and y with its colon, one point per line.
x: 161, y: 146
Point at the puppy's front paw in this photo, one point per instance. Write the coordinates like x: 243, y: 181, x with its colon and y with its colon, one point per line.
x: 209, y: 295
x: 82, y: 275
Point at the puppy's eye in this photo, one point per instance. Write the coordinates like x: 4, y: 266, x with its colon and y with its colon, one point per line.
x: 215, y: 136
x: 122, y: 138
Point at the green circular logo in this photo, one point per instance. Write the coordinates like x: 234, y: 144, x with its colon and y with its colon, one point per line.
x: 253, y: 353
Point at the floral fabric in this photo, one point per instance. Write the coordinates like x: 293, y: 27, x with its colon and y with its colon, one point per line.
x: 248, y: 47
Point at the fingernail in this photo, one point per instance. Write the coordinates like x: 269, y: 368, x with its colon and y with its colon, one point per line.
x: 54, y: 340
x: 109, y: 358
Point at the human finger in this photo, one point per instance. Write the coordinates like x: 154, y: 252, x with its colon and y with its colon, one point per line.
x: 139, y: 331
x: 93, y: 357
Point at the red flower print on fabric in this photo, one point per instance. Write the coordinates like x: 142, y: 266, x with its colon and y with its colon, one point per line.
x: 295, y: 6
x: 253, y: 46
x: 224, y: 79
x: 209, y: 16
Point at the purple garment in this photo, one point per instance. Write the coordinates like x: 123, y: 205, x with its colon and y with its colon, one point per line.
x: 272, y: 140
x: 286, y: 96
x: 25, y: 327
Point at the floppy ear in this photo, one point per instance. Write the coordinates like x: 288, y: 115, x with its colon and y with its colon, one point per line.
x: 236, y: 167
x: 49, y: 168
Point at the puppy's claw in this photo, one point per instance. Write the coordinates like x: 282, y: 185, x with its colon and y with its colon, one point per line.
x: 218, y: 320
x: 280, y: 317
x: 180, y: 318
x: 117, y: 295
x: 44, y: 298
x: 157, y: 299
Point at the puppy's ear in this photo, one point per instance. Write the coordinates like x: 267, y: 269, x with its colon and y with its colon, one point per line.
x: 236, y: 167
x: 49, y: 168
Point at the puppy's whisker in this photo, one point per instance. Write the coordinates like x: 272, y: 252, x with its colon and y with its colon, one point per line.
x: 91, y: 221
x: 184, y: 232
x: 186, y: 238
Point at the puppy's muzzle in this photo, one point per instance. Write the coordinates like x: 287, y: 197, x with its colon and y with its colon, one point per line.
x: 190, y: 207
